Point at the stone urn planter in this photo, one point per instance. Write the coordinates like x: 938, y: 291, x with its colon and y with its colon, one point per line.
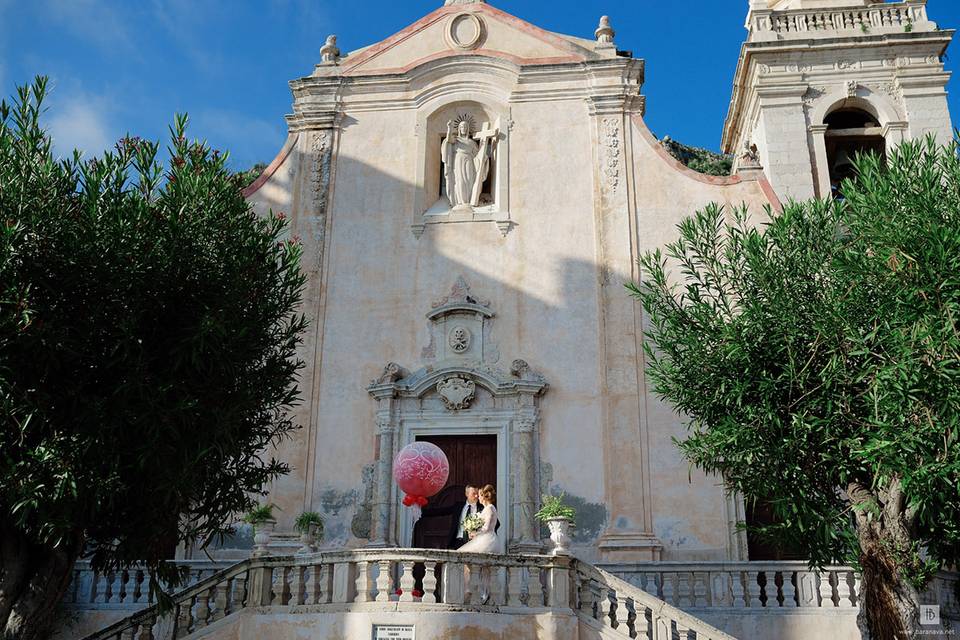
x: 560, y: 535
x: 262, y: 532
x: 308, y: 540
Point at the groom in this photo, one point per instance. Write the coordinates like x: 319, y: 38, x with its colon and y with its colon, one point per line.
x: 468, y: 507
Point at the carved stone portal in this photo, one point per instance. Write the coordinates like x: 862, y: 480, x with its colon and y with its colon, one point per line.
x: 456, y: 392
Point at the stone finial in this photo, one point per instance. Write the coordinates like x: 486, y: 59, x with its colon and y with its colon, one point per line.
x: 329, y: 52
x: 448, y: 3
x: 605, y: 32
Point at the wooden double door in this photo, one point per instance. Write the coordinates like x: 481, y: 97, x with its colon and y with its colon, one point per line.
x: 473, y: 460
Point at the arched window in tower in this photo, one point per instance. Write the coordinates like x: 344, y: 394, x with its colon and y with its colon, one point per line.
x: 850, y: 131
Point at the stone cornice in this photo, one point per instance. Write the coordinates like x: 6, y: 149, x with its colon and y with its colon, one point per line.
x: 494, y: 380
x: 936, y: 43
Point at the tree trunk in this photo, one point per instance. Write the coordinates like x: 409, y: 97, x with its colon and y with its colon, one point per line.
x: 33, y: 580
x: 889, y: 604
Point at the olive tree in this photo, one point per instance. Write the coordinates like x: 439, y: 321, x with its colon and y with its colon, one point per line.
x: 817, y: 357
x: 148, y: 336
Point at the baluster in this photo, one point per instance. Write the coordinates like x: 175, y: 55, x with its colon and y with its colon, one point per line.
x: 472, y: 592
x: 496, y: 585
x: 789, y: 589
x: 452, y: 587
x: 645, y: 580
x: 534, y: 588
x: 685, y: 632
x: 430, y: 583
x: 406, y: 580
x: 363, y: 582
x: 641, y: 624
x: 737, y: 590
x: 322, y: 590
x: 238, y: 592
x: 585, y: 595
x: 297, y: 595
x: 98, y: 590
x: 857, y: 583
x: 514, y: 586
x: 141, y: 594
x: 845, y: 598
x: 126, y: 633
x: 622, y: 615
x: 184, y: 614
x: 113, y: 586
x: 668, y: 586
x: 383, y: 582
x: 203, y: 609
x: 220, y: 600
x: 281, y: 592
x: 607, y: 600
x: 753, y: 589
x: 683, y: 590
x: 700, y: 588
x: 825, y: 588
x: 146, y: 627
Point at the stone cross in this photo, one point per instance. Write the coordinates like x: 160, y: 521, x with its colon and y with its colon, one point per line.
x: 486, y: 132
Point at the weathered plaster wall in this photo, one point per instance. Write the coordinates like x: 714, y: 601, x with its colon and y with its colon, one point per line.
x: 429, y: 625
x: 689, y: 508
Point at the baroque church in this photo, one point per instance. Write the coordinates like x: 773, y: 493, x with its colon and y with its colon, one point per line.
x: 472, y: 194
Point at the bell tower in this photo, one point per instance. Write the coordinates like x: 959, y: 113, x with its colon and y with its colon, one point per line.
x: 819, y: 80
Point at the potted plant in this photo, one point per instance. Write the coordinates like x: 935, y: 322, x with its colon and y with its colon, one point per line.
x: 310, y: 526
x: 559, y: 518
x: 261, y: 519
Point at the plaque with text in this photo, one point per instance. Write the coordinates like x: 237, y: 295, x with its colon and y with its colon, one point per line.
x: 393, y: 632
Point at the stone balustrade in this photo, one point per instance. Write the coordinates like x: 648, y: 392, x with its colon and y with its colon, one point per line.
x: 409, y: 580
x: 749, y: 585
x: 617, y: 606
x: 654, y: 601
x: 127, y: 589
x: 887, y: 18
x: 344, y: 581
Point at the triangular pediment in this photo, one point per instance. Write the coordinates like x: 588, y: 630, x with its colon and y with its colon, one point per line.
x: 466, y: 29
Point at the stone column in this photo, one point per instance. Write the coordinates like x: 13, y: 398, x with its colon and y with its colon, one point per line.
x: 822, y: 169
x: 524, y: 538
x: 380, y: 533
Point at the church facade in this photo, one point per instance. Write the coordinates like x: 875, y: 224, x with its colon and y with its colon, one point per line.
x: 473, y: 193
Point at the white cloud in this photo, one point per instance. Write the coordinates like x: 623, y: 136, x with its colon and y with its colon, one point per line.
x: 79, y: 122
x: 99, y: 22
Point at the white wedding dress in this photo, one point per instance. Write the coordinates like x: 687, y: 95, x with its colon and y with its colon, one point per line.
x: 486, y: 540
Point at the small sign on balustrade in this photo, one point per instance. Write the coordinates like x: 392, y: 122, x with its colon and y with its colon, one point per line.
x: 393, y: 632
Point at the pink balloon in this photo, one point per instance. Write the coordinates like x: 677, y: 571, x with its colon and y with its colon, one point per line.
x: 421, y: 470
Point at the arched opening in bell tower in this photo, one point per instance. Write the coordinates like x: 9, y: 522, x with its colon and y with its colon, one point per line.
x: 850, y: 131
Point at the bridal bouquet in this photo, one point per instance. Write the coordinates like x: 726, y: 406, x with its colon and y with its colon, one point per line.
x: 472, y: 524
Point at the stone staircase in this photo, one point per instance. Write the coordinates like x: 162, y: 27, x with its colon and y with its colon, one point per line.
x: 441, y: 594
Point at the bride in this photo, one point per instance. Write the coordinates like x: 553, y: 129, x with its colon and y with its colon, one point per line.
x: 486, y: 540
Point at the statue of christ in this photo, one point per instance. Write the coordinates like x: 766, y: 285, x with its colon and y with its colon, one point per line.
x: 466, y: 164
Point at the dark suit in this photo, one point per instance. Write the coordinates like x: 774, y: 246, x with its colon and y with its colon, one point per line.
x: 453, y: 542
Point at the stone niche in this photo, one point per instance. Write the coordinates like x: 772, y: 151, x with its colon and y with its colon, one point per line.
x: 486, y: 125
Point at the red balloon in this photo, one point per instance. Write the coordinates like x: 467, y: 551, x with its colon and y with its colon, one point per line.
x: 421, y: 470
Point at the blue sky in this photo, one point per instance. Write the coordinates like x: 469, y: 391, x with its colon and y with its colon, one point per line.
x: 122, y: 66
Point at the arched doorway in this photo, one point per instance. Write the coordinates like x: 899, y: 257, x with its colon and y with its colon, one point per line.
x: 849, y: 132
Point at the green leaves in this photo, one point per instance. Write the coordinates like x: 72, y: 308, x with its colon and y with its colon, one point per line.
x: 820, y: 347
x: 149, y: 328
